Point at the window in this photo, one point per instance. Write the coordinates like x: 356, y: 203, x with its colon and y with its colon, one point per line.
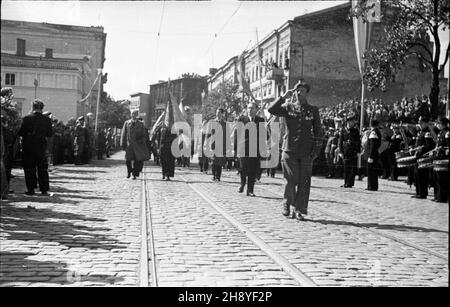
x: 10, y: 79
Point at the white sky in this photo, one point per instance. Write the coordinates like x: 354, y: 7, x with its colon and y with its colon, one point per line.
x: 135, y: 58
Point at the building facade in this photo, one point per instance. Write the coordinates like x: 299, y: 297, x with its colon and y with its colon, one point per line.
x: 318, y: 47
x: 52, y: 62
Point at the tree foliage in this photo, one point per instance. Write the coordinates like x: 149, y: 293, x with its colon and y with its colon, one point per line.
x: 225, y: 96
x: 409, y: 25
x: 112, y: 113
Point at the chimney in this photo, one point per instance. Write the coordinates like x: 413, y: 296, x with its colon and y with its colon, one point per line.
x: 48, y: 53
x: 20, y: 47
x: 212, y: 71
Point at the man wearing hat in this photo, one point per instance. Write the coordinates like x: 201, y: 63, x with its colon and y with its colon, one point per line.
x: 301, y: 145
x: 349, y: 147
x: 35, y: 131
x: 424, y: 144
x: 79, y: 141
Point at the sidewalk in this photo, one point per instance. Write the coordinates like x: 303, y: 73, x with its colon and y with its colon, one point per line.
x: 86, y: 234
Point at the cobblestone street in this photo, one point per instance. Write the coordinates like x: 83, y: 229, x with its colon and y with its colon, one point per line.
x: 204, y: 233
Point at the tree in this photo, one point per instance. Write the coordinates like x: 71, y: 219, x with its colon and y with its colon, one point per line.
x: 409, y: 26
x: 112, y: 113
x: 225, y: 96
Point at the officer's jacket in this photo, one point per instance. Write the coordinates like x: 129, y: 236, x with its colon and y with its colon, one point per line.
x: 373, y: 143
x: 35, y: 130
x: 303, y: 129
x: 349, y: 142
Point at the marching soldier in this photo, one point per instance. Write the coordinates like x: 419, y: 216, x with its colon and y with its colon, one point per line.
x: 349, y: 146
x: 35, y: 131
x: 441, y: 177
x: 301, y: 145
x: 424, y: 144
x: 374, y: 142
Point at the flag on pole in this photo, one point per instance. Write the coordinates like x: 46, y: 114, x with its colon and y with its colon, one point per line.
x: 159, y: 122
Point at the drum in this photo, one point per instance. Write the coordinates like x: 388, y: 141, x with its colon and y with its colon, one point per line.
x: 440, y: 165
x: 401, y: 154
x: 425, y: 162
x: 406, y: 161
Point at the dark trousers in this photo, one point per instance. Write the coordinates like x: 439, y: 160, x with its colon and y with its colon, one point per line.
x: 297, y: 171
x: 167, y: 163
x: 350, y: 165
x: 249, y: 168
x: 421, y: 177
x: 36, y: 163
x: 372, y: 175
x: 441, y: 186
x: 134, y: 167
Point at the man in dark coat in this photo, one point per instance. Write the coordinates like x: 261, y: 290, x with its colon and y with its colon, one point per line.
x: 349, y: 146
x: 395, y: 143
x: 133, y: 141
x: 373, y: 144
x: 301, y: 145
x: 35, y: 130
x: 219, y: 158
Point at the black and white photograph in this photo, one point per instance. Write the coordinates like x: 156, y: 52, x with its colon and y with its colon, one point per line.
x: 225, y: 149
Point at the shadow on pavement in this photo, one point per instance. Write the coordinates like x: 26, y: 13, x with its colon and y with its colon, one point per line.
x: 15, y: 264
x: 378, y: 226
x: 45, y: 225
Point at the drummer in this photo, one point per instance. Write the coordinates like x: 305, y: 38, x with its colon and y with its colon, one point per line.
x: 424, y: 144
x: 442, y: 148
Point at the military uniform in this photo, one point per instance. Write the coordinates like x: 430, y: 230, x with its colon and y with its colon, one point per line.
x: 249, y: 165
x: 35, y: 130
x: 349, y: 146
x: 373, y: 144
x: 301, y: 144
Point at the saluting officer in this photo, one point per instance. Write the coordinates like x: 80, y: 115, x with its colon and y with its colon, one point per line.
x: 35, y: 131
x: 301, y: 145
x: 349, y: 146
x: 374, y: 142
